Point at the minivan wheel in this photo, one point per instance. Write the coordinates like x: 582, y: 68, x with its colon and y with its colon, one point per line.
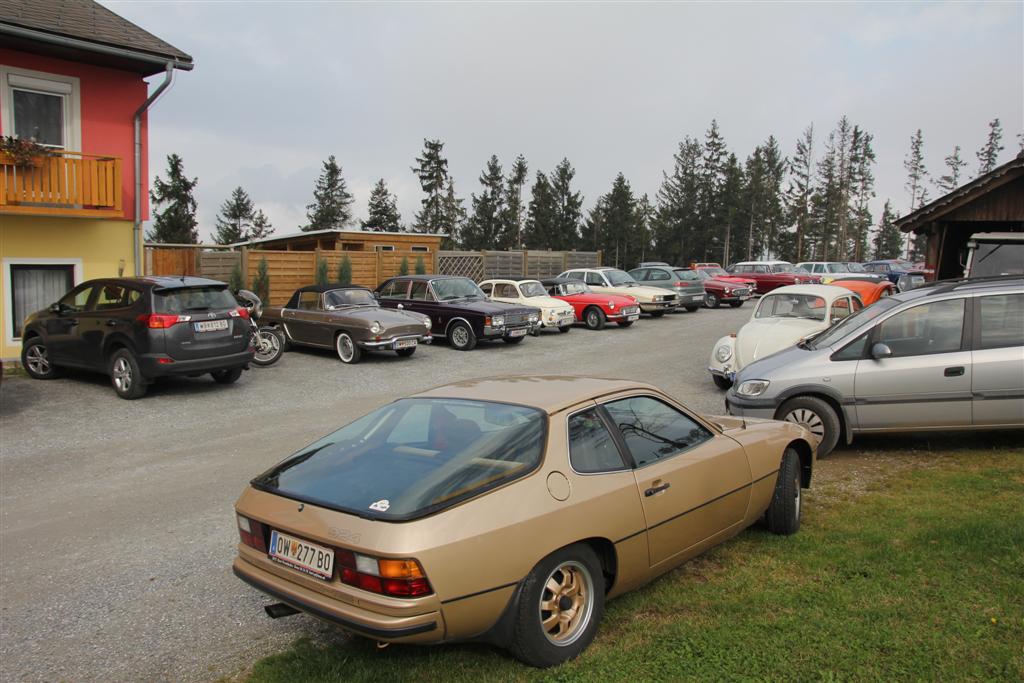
x: 226, y: 376
x: 817, y: 416
x: 348, y: 351
x: 36, y: 360
x: 783, y: 515
x: 559, y: 608
x: 125, y: 375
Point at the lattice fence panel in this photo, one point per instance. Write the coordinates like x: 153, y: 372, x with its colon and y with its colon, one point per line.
x: 461, y: 263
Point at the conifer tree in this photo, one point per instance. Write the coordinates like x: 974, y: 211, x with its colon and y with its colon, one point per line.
x: 732, y: 197
x: 951, y: 180
x: 432, y: 172
x: 174, y: 215
x: 887, y: 242
x: 862, y: 191
x: 453, y: 214
x: 568, y: 208
x: 382, y: 210
x: 331, y: 207
x: 403, y: 267
x: 615, y: 220
x: 512, y: 218
x: 421, y: 267
x: 345, y: 270
x: 261, y: 281
x: 485, y: 227
x: 260, y: 227
x: 800, y: 189
x: 644, y: 226
x: 678, y: 205
x: 712, y: 180
x: 234, y: 221
x: 916, y: 174
x: 540, y: 220
x: 321, y: 271
x: 988, y: 155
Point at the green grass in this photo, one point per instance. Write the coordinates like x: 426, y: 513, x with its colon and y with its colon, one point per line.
x: 917, y: 576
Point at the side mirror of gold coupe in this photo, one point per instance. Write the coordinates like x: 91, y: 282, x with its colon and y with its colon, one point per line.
x: 510, y: 510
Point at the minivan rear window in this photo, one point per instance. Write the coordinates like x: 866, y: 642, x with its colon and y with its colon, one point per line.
x: 188, y: 299
x: 413, y: 457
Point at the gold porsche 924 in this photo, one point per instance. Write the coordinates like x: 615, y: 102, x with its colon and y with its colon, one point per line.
x: 508, y: 510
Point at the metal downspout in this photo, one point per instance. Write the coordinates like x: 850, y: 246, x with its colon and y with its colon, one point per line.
x: 137, y: 166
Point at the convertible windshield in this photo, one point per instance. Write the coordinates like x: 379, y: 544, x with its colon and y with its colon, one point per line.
x: 570, y: 288
x: 854, y: 322
x: 532, y: 288
x: 686, y: 274
x: 854, y: 268
x: 337, y: 298
x: 412, y: 457
x: 713, y: 272
x: 619, y: 277
x: 455, y: 288
x: 807, y: 306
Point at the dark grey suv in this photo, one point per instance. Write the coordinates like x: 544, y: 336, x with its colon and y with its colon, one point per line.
x: 687, y: 284
x: 138, y: 329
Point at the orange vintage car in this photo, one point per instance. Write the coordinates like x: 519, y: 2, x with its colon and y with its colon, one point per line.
x: 869, y: 291
x: 508, y: 510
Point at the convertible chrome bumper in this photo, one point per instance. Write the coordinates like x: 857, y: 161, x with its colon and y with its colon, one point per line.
x: 392, y: 343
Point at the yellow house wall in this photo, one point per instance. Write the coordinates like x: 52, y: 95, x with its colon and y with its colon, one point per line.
x: 103, y: 246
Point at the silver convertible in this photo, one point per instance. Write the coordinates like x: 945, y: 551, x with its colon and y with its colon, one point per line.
x: 946, y: 356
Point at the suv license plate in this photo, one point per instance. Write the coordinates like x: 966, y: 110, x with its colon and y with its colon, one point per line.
x: 211, y: 325
x: 517, y: 333
x: 405, y: 343
x: 307, y: 557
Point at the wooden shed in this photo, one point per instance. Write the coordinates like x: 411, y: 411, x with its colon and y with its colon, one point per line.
x: 993, y: 202
x: 349, y: 240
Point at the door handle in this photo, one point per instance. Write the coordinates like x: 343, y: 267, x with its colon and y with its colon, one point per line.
x: 957, y: 371
x: 654, y: 490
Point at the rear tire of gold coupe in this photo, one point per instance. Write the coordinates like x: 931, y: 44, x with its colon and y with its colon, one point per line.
x: 783, y: 515
x: 561, y: 603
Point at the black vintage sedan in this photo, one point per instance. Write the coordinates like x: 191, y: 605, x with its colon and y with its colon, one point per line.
x: 347, y: 319
x: 459, y: 309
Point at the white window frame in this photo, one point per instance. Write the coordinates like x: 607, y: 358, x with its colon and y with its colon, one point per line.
x: 384, y: 247
x: 420, y: 248
x: 8, y: 308
x: 68, y: 87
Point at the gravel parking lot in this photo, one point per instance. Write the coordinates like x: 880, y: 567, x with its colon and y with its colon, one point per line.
x: 116, y: 527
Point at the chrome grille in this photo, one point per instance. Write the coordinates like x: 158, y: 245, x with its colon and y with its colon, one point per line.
x: 515, y: 319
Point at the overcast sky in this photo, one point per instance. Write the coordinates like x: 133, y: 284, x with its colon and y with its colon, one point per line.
x: 278, y: 87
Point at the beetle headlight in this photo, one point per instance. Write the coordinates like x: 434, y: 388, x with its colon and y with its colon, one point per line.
x: 498, y: 321
x: 376, y: 328
x: 752, y: 387
x: 723, y: 352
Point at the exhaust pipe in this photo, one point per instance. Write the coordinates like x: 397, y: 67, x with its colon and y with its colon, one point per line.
x: 279, y: 609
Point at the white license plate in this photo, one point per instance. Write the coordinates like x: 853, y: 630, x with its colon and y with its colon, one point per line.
x: 697, y: 297
x: 302, y: 555
x: 517, y: 333
x: 633, y: 317
x: 405, y: 343
x: 211, y: 325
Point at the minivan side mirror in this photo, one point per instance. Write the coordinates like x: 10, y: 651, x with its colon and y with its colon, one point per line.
x: 55, y: 308
x: 880, y: 351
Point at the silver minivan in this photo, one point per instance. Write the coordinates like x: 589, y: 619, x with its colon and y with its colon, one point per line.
x: 946, y: 356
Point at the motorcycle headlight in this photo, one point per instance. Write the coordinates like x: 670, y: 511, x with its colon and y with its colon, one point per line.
x: 723, y: 353
x: 376, y: 328
x: 752, y: 387
x: 498, y: 321
x: 426, y: 323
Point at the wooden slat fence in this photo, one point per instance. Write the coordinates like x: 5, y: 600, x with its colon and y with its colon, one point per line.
x: 481, y: 265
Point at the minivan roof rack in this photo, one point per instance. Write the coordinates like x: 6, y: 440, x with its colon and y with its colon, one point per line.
x: 943, y: 286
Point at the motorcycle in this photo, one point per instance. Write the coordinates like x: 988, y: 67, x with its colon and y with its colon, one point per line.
x: 269, y: 341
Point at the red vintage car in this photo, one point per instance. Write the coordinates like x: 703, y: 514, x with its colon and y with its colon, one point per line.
x: 772, y: 274
x: 869, y: 292
x: 719, y: 273
x: 591, y: 308
x: 718, y: 291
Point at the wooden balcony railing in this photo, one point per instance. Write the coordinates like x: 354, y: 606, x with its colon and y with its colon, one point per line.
x: 62, y: 184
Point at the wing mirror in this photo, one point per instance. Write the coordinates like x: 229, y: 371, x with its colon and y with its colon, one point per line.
x: 376, y: 295
x: 59, y: 309
x: 880, y: 351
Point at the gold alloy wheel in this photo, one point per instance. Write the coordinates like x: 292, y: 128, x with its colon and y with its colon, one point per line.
x: 566, y: 603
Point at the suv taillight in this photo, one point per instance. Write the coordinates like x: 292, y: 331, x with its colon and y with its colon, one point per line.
x: 162, y: 321
x: 240, y: 312
x: 397, y: 578
x: 251, y: 533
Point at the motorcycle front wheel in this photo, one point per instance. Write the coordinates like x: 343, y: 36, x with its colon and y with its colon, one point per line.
x: 269, y: 346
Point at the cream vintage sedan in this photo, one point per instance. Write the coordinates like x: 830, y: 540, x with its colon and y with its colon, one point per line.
x: 554, y: 313
x: 508, y: 510
x: 781, y: 318
x: 653, y: 300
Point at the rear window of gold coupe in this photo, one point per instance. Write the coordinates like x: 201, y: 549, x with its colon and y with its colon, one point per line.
x: 413, y: 457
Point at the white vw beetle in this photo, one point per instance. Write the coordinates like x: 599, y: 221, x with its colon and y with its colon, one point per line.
x: 781, y: 318
x: 553, y: 312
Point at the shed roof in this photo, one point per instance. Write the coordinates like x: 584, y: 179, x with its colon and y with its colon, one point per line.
x: 323, y: 233
x: 964, y: 194
x: 72, y: 29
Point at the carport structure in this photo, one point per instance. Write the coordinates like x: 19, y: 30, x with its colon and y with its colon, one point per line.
x: 993, y: 202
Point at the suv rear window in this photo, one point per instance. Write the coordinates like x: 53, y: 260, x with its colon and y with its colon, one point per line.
x: 187, y: 299
x: 413, y: 457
